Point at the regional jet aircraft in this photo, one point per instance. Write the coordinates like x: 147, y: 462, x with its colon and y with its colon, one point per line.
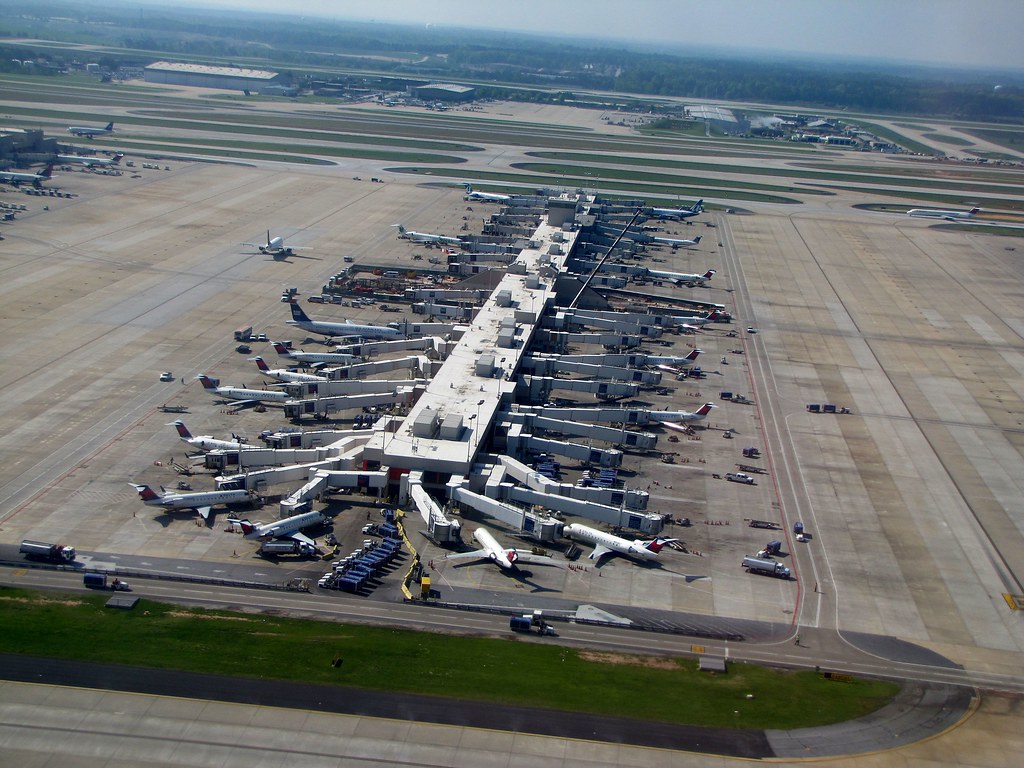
x: 287, y: 528
x: 206, y: 442
x: 90, y: 162
x: 486, y: 197
x: 931, y: 213
x: 275, y: 246
x: 506, y: 559
x: 677, y: 214
x: 200, y: 502
x: 16, y: 178
x: 242, y: 394
x: 425, y: 237
x: 682, y: 416
x: 348, y: 328
x: 607, y: 544
x: 91, y: 133
x: 675, y: 242
x: 283, y: 374
x: 689, y: 279
x: 333, y: 358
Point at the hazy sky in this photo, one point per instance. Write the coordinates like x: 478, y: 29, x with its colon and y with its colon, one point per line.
x: 976, y: 32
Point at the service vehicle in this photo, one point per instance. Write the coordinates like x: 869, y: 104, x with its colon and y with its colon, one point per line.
x: 100, y: 581
x: 39, y: 550
x: 766, y: 567
x: 739, y: 477
x: 167, y: 376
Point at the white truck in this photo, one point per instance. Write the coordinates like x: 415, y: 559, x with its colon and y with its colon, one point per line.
x: 55, y: 553
x: 765, y: 566
x: 739, y: 477
x: 286, y: 547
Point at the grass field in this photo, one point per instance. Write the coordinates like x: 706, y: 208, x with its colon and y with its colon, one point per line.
x: 947, y: 139
x: 538, y: 674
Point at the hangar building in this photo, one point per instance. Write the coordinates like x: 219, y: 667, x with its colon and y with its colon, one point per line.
x: 443, y: 92
x: 200, y: 76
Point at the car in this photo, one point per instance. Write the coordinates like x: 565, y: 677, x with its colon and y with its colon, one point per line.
x: 261, y: 337
x: 751, y: 330
x: 166, y: 376
x: 243, y: 348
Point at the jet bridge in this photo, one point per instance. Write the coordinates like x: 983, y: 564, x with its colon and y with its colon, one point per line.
x: 569, y: 320
x: 619, y: 498
x: 418, y: 363
x: 304, y: 390
x: 615, y: 359
x: 545, y: 366
x: 324, y: 480
x: 520, y: 442
x: 531, y: 419
x: 434, y: 309
x: 539, y: 527
x: 540, y: 387
x: 321, y: 406
x: 440, y: 528
x: 561, y: 339
x: 426, y: 339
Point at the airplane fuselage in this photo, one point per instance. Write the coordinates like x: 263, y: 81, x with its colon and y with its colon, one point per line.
x: 346, y: 329
x: 286, y: 527
x: 620, y: 546
x: 929, y: 213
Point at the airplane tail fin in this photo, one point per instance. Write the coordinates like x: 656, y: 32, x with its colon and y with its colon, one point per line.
x: 710, y: 273
x: 110, y: 127
x: 116, y: 158
x: 208, y: 382
x: 696, y: 239
x: 974, y: 211
x: 246, y: 527
x: 698, y: 206
x: 281, y: 349
x: 47, y: 172
x: 655, y: 546
x: 183, y: 432
x: 298, y: 314
x: 261, y: 364
x: 694, y: 354
x: 145, y: 492
x: 705, y: 409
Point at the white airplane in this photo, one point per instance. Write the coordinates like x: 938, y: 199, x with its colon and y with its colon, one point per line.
x: 676, y: 362
x: 348, y: 328
x: 213, y: 386
x: 607, y: 544
x: 931, y: 213
x: 91, y: 133
x: 16, y: 177
x: 283, y: 374
x: 286, y: 528
x: 340, y: 358
x: 506, y: 559
x: 710, y: 317
x: 206, y: 442
x: 675, y: 242
x: 682, y: 416
x: 200, y: 502
x: 425, y: 237
x: 275, y: 246
x: 677, y: 214
x: 486, y: 197
x: 689, y: 279
x: 90, y: 162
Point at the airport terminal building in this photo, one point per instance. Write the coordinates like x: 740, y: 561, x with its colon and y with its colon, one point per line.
x: 200, y: 76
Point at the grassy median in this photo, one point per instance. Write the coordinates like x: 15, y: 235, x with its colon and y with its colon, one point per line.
x: 539, y: 674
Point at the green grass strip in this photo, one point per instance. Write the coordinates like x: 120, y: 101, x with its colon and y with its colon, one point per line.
x: 538, y: 674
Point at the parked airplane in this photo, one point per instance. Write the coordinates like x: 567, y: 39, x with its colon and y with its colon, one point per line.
x: 710, y: 317
x: 486, y: 197
x: 91, y: 133
x: 200, y: 502
x: 348, y: 328
x: 689, y: 279
x: 674, y: 361
x: 35, y: 179
x: 90, y: 162
x: 283, y: 374
x: 242, y: 394
x: 286, y: 528
x: 675, y: 242
x: 425, y: 237
x: 607, y: 544
x: 931, y: 213
x: 677, y: 214
x: 275, y: 246
x: 506, y: 559
x: 339, y: 358
x: 699, y: 415
x: 206, y: 442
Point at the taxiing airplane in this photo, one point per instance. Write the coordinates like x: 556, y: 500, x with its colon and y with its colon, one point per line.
x: 283, y: 374
x: 201, y: 502
x: 682, y: 416
x: 275, y: 246
x: 90, y: 162
x: 425, y: 237
x: 931, y: 213
x: 675, y: 242
x: 689, y: 279
x: 242, y: 394
x: 607, y: 544
x: 486, y: 197
x: 206, y: 442
x: 506, y: 559
x: 35, y: 179
x: 348, y: 328
x: 677, y: 214
x: 339, y: 358
x: 286, y: 528
x: 91, y: 133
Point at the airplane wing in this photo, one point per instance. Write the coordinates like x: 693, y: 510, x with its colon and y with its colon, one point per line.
x: 475, y: 554
x: 532, y: 559
x: 204, y: 512
x: 600, y: 551
x: 299, y: 536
